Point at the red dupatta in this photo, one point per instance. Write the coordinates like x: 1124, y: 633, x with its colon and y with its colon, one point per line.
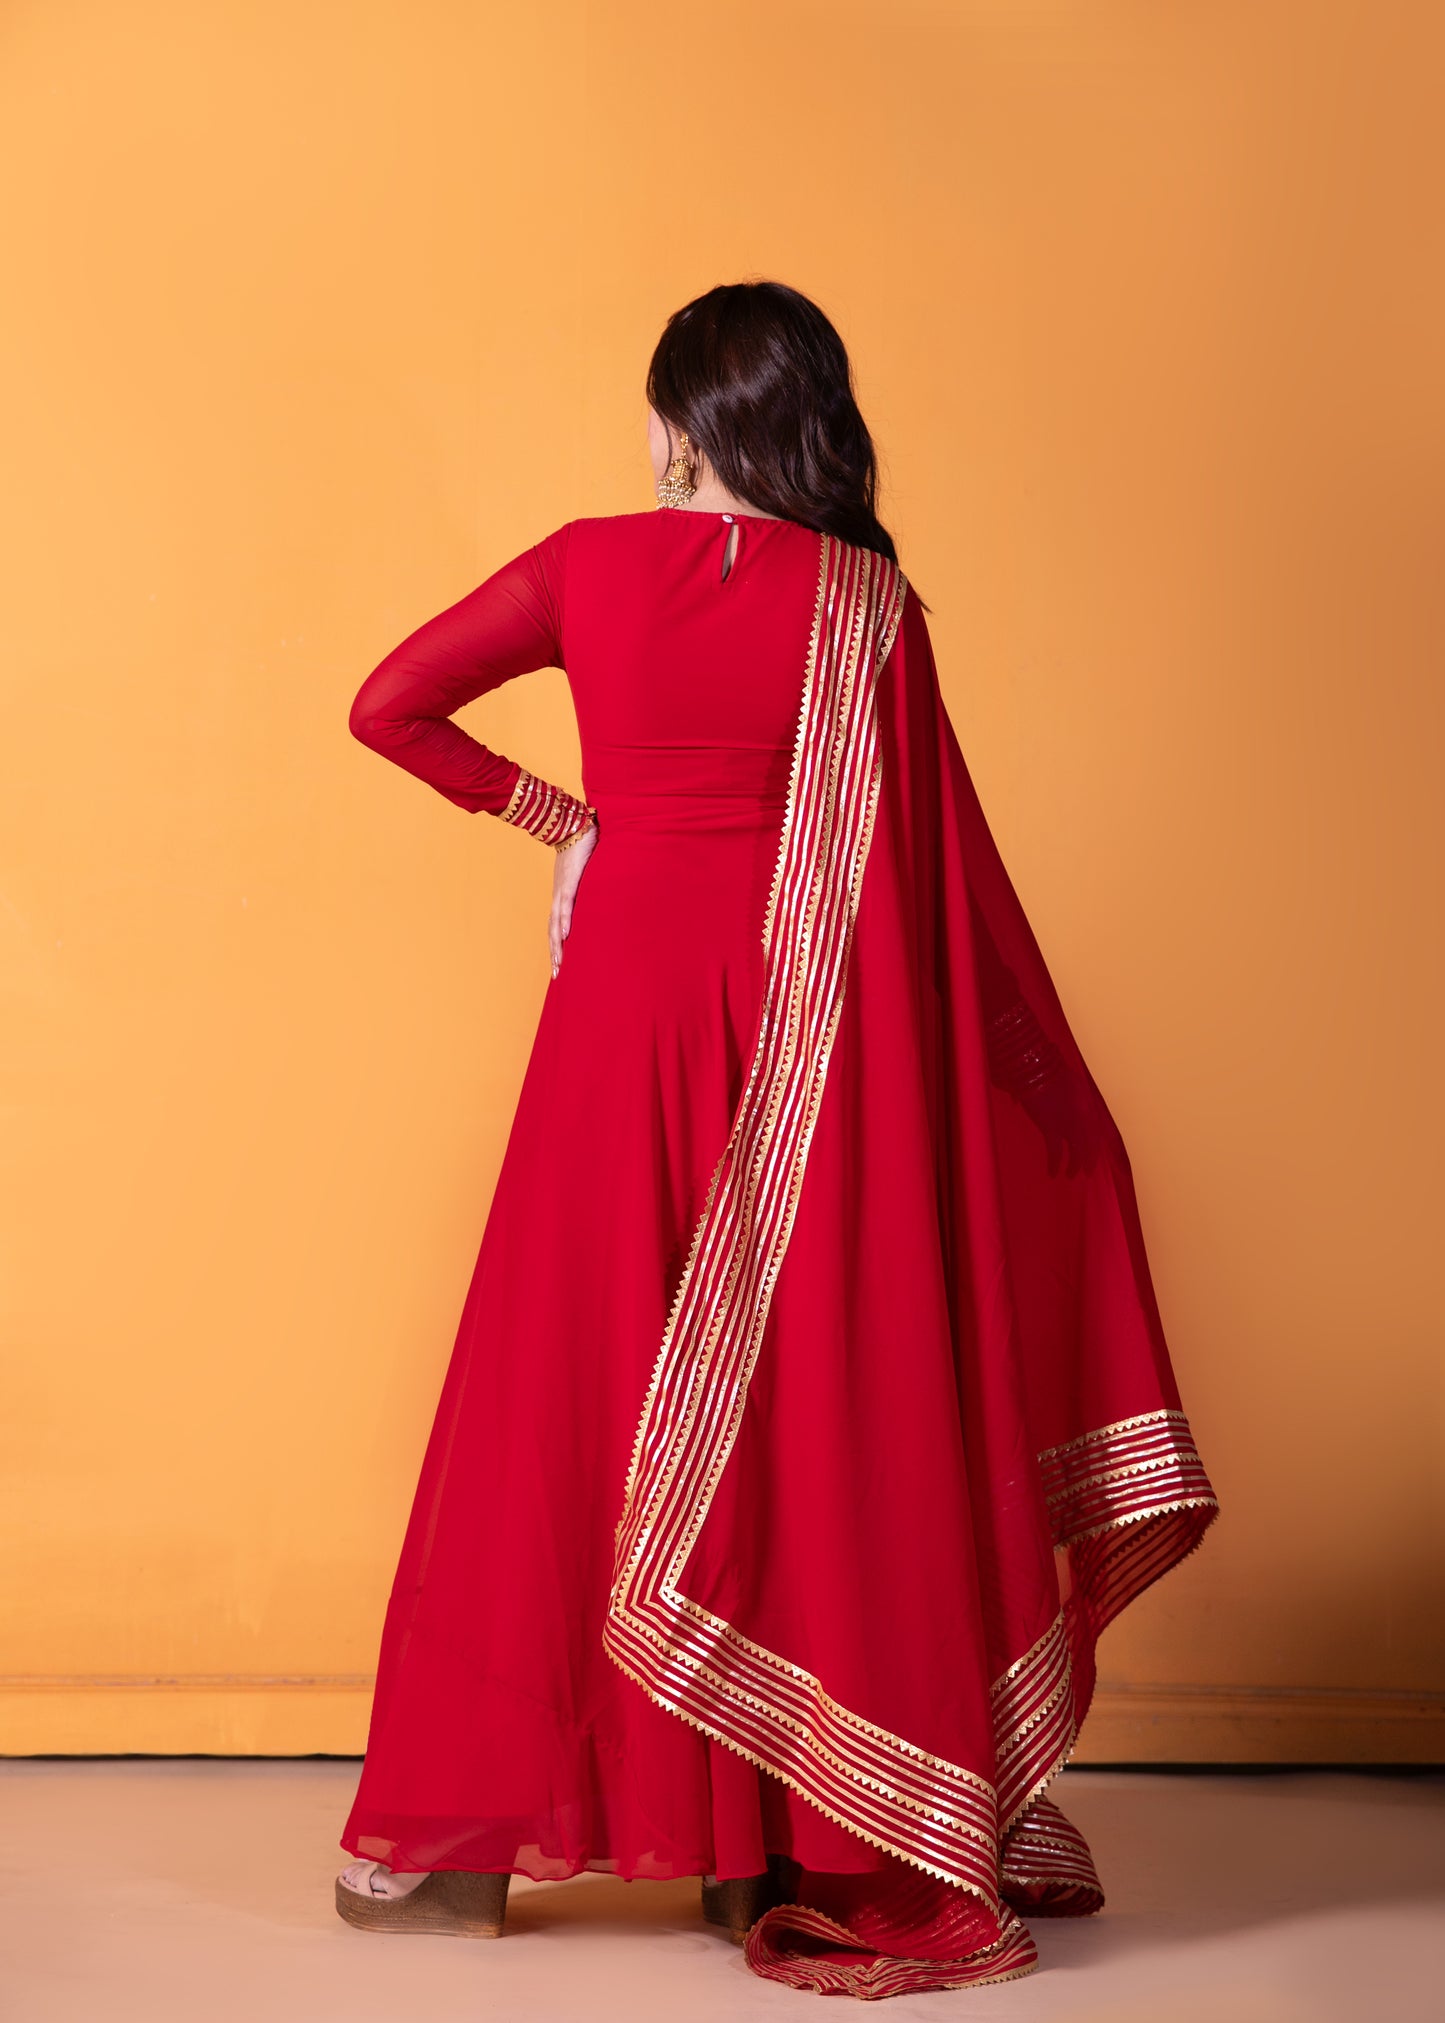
x: 914, y: 1350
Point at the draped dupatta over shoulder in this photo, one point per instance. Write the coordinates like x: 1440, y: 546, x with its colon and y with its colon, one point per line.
x: 781, y: 1485
x: 876, y: 1517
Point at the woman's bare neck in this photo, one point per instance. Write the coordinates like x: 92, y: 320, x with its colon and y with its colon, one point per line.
x: 712, y: 497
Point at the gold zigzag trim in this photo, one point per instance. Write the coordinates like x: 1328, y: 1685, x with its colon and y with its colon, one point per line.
x: 925, y: 1810
x: 546, y: 812
x: 1138, y: 1468
x: 519, y: 794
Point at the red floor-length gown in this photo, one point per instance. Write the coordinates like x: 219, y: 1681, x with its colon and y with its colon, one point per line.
x: 810, y: 1412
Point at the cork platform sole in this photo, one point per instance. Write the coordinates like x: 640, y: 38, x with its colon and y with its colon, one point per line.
x: 454, y: 1901
x: 740, y: 1901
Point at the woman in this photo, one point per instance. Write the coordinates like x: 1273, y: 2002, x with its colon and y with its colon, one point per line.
x: 812, y: 1313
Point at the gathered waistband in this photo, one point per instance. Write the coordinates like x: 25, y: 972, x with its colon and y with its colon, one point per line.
x: 702, y: 785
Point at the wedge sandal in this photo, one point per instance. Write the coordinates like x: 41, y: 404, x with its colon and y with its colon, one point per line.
x: 736, y: 1904
x: 456, y: 1901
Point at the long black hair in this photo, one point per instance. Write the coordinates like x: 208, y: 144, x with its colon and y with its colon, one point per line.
x: 760, y: 380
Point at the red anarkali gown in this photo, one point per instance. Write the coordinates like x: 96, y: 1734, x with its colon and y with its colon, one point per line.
x: 810, y: 1412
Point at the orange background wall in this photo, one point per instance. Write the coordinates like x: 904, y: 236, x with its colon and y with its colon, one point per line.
x: 327, y: 309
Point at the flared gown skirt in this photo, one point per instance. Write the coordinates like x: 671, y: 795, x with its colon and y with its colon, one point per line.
x: 810, y: 1415
x: 503, y: 1736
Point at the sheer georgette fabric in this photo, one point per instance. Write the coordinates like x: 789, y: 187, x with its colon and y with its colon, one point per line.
x: 810, y: 1413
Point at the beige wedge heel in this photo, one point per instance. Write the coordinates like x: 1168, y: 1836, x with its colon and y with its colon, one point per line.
x: 454, y: 1901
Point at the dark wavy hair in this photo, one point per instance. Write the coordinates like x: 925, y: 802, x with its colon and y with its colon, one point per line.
x: 760, y: 380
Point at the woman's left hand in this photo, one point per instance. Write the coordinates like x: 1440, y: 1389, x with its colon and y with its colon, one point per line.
x: 566, y: 877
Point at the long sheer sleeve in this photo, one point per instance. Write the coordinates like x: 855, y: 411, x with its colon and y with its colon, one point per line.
x: 509, y: 625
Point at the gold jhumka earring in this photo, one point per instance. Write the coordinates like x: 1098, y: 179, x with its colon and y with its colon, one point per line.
x: 677, y: 487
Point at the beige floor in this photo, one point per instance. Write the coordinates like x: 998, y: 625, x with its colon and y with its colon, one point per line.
x: 202, y: 1890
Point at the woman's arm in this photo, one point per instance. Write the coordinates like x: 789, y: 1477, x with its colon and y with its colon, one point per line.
x: 509, y: 625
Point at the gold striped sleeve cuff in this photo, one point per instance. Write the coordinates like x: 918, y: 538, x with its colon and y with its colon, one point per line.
x: 545, y: 811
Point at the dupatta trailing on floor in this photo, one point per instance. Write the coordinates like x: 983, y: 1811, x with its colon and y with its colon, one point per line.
x: 912, y: 1438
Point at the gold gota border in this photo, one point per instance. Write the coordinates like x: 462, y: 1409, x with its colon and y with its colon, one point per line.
x: 768, y: 1762
x: 1034, y: 1726
x: 778, y: 1034
x: 519, y: 794
x: 1136, y: 1469
x: 1115, y: 1430
x: 808, y: 1681
x: 936, y: 1815
x: 1140, y: 1471
x: 975, y: 1870
x: 1114, y: 1479
x: 1105, y: 1482
x: 706, y: 1221
x: 1123, y: 1521
x: 544, y: 811
x: 1007, y: 1958
x: 1046, y: 1857
x: 1035, y: 1721
x: 753, y: 1216
x: 860, y: 1750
